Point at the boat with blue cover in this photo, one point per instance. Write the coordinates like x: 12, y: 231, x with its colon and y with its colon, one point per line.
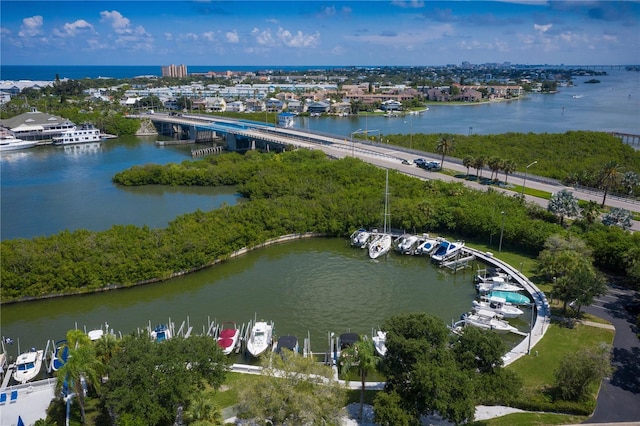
x: 511, y: 297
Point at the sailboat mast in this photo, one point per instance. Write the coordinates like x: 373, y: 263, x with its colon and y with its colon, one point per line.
x: 386, y: 202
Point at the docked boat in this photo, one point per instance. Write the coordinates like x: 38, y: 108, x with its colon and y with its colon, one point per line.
x: 498, y: 305
x: 260, y: 339
x: 488, y: 320
x: 60, y: 355
x: 161, y: 333
x: 360, y: 238
x: 496, y: 284
x: 406, y: 244
x: 446, y: 250
x: 427, y: 245
x: 489, y: 274
x: 380, y: 246
x: 344, y: 341
x: 9, y: 142
x: 28, y: 366
x: 380, y: 342
x: 83, y: 134
x: 511, y: 297
x: 289, y: 343
x: 382, y: 242
x: 228, y: 337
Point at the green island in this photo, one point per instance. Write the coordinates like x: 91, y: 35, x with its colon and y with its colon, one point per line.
x: 304, y: 191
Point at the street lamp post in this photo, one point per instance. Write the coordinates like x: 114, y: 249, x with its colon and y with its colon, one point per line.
x: 470, y: 130
x: 501, y: 233
x: 524, y: 181
x: 353, y: 149
x: 533, y: 307
x: 410, y: 134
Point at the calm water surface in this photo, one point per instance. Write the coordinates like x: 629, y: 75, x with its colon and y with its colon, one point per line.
x: 310, y: 286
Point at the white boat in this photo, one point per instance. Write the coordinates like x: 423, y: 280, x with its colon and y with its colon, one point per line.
x: 446, y: 250
x: 380, y: 342
x: 382, y: 243
x: 380, y: 246
x: 488, y: 320
x: 83, y: 134
x: 428, y: 245
x: 498, y: 305
x: 228, y: 337
x: 260, y: 339
x: 9, y: 142
x: 511, y: 297
x: 28, y: 366
x: 161, y: 333
x: 360, y: 238
x: 488, y: 274
x: 407, y: 243
x: 496, y: 284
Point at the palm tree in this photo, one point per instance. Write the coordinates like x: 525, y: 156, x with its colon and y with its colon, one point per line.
x: 362, y: 357
x: 468, y: 162
x: 563, y: 203
x: 81, y: 365
x: 445, y: 146
x: 203, y: 411
x: 478, y: 164
x: 494, y: 164
x: 610, y: 175
x: 106, y: 347
x: 591, y: 211
x: 508, y: 167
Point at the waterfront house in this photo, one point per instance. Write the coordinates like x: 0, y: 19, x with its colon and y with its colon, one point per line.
x: 320, y: 107
x: 236, y: 106
x: 36, y: 125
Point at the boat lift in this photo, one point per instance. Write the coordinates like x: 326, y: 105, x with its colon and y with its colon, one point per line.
x: 460, y: 261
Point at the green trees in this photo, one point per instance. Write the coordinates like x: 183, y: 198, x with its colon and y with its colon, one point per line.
x: 149, y: 381
x: 578, y: 374
x: 293, y: 390
x: 426, y: 372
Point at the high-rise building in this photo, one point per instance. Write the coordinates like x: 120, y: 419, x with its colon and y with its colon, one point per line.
x: 174, y: 70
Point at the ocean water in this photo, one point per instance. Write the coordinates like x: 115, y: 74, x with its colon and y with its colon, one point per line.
x: 75, y: 72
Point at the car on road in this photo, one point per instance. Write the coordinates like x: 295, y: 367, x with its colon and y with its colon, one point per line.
x: 430, y: 165
x: 408, y: 162
x: 419, y: 161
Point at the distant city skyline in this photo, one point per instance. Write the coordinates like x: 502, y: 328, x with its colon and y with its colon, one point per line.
x: 323, y: 33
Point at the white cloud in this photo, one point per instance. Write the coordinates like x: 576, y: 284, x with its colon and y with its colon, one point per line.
x: 542, y: 28
x: 209, y: 36
x: 72, y: 29
x: 119, y: 23
x: 263, y: 38
x: 31, y: 27
x: 168, y: 36
x: 408, y: 3
x: 232, y: 36
x: 298, y: 39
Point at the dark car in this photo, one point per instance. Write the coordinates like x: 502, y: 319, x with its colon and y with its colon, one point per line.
x: 419, y: 161
x: 432, y: 165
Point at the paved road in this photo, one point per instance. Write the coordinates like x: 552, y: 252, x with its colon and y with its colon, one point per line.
x: 619, y: 397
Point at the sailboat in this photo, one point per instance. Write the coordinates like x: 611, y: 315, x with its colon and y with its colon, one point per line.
x: 382, y: 243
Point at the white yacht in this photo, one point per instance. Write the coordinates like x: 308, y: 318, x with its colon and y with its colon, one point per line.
x: 498, y: 305
x: 360, y: 238
x: 446, y: 250
x: 488, y: 320
x: 83, y: 134
x: 380, y: 342
x: 407, y: 243
x: 9, y: 142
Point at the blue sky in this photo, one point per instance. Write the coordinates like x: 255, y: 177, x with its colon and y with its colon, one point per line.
x: 308, y: 32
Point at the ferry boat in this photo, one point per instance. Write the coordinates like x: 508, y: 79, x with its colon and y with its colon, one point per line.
x: 83, y: 134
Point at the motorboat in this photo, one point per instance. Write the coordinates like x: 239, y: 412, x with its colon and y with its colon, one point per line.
x: 496, y: 284
x: 260, y: 339
x: 9, y: 142
x: 380, y: 342
x: 406, y: 243
x: 380, y: 246
x: 488, y: 274
x: 59, y: 355
x: 161, y: 333
x: 28, y: 366
x: 498, y: 305
x: 511, y: 297
x: 344, y: 341
x: 427, y: 245
x: 228, y: 337
x: 446, y: 250
x: 289, y: 343
x: 83, y: 134
x: 360, y: 238
x: 488, y: 320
